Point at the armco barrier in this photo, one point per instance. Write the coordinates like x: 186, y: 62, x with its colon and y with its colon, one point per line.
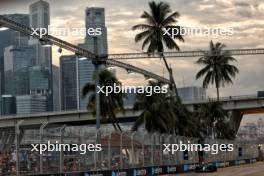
x: 152, y: 171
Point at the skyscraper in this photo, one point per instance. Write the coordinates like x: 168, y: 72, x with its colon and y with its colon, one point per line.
x: 76, y: 72
x: 94, y: 18
x: 85, y: 74
x: 17, y: 58
x: 56, y: 87
x: 10, y: 37
x: 192, y: 93
x: 8, y: 105
x: 39, y: 80
x: 29, y: 104
x: 40, y: 18
x: 21, y: 81
x: 68, y: 77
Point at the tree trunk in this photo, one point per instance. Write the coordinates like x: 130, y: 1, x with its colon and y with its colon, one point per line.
x: 217, y: 91
x: 173, y: 84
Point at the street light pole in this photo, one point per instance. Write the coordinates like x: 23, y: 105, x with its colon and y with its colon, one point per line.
x: 97, y: 84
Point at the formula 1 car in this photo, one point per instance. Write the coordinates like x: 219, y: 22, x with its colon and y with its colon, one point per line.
x: 209, y: 167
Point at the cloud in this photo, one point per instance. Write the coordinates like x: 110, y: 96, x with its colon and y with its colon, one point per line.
x: 246, y: 16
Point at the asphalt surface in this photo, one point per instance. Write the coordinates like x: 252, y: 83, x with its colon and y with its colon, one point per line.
x: 256, y: 169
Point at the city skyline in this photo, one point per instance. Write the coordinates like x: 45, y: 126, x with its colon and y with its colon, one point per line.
x: 27, y: 64
x: 134, y: 87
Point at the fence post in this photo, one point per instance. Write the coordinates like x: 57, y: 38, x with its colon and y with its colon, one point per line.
x: 178, y: 159
x: 169, y: 159
x: 143, y: 148
x: 161, y: 151
x: 153, y: 142
x: 17, y: 133
x: 41, y: 131
x: 121, y: 150
x: 97, y: 141
x: 61, y: 151
x: 109, y: 151
x: 80, y: 142
x: 132, y: 149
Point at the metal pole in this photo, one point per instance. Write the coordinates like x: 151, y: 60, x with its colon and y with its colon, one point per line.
x: 97, y: 83
x: 96, y: 156
x: 17, y: 133
x: 61, y: 151
x: 121, y: 151
x: 109, y: 151
x: 132, y: 149
x: 143, y: 148
x: 78, y: 87
x: 97, y: 95
x: 41, y: 131
x: 153, y: 142
x: 161, y: 151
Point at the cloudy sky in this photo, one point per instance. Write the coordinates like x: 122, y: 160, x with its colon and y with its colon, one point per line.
x: 246, y: 17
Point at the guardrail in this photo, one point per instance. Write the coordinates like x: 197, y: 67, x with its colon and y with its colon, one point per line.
x: 224, y: 99
x: 120, y: 151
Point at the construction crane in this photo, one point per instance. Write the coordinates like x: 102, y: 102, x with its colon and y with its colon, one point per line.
x: 48, y: 39
x: 184, y: 54
x: 112, y: 59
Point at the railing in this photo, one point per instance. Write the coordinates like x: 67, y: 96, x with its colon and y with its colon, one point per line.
x: 119, y: 150
x: 223, y: 99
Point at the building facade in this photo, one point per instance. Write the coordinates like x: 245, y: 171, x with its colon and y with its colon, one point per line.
x: 29, y: 104
x: 77, y: 72
x: 68, y: 85
x: 39, y: 13
x: 94, y: 19
x: 17, y: 60
x: 192, y: 93
x: 56, y: 87
x: 8, y: 105
x: 9, y: 37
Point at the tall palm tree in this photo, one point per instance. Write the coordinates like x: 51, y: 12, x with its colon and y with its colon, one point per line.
x: 157, y: 112
x: 165, y: 114
x: 109, y: 105
x: 158, y: 19
x: 185, y: 124
x: 217, y: 68
x: 214, y: 120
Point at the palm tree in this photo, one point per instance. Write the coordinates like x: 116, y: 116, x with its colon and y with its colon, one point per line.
x: 157, y: 112
x: 217, y: 68
x: 158, y: 19
x: 109, y: 105
x: 214, y: 120
x: 165, y: 114
x: 186, y: 121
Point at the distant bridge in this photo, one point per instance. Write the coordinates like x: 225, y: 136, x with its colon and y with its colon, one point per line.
x: 60, y: 118
x: 238, y: 105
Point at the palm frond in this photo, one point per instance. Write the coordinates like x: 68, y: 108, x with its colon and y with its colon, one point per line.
x: 87, y: 89
x: 171, y: 19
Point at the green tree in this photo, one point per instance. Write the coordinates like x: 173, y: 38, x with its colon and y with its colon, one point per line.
x: 157, y: 20
x: 186, y: 121
x: 217, y: 68
x: 157, y: 112
x: 109, y: 105
x: 164, y: 113
x: 215, y: 121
